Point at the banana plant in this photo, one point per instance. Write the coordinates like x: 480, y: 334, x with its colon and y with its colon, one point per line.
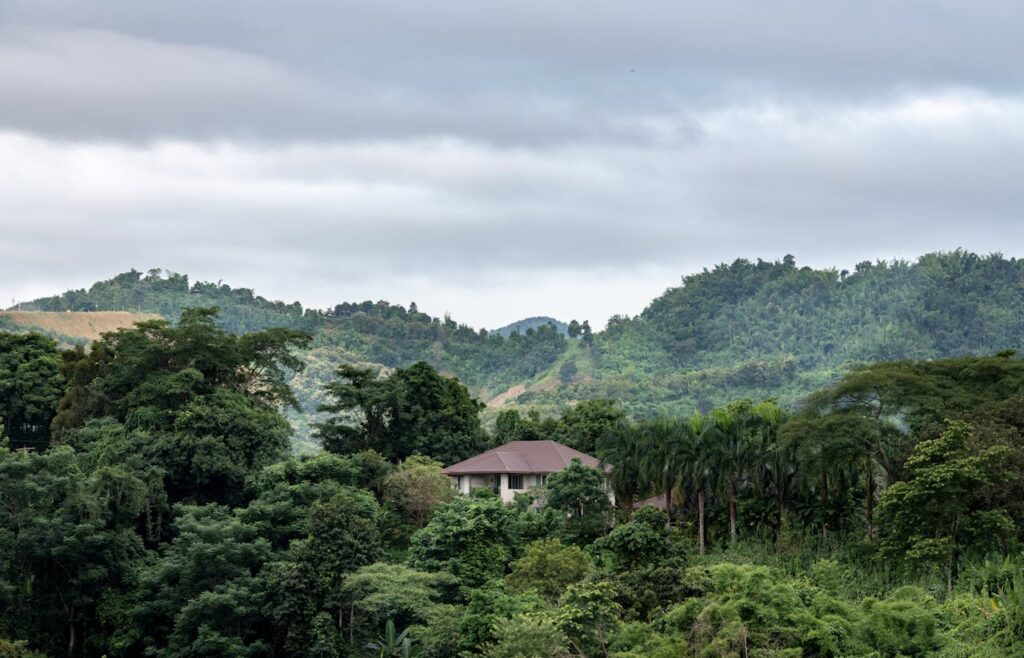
x: 392, y: 644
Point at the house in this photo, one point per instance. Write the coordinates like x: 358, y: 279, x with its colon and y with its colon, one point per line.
x: 515, y: 467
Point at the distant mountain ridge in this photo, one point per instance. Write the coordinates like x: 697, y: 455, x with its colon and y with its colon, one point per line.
x: 535, y: 322
x: 744, y: 329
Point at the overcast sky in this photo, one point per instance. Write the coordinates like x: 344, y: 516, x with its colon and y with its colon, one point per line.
x: 500, y: 159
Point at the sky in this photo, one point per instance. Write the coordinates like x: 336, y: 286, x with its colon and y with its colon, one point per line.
x: 498, y: 160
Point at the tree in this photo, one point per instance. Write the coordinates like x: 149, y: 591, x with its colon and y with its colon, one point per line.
x: 203, y: 590
x: 210, y: 402
x: 939, y: 511
x: 471, y: 538
x: 665, y: 446
x: 735, y: 433
x: 511, y: 426
x: 831, y: 450
x: 528, y: 636
x: 284, y: 492
x: 588, y: 614
x: 581, y: 494
x: 31, y: 385
x: 416, y: 488
x: 584, y: 424
x: 775, y: 462
x: 699, y: 456
x: 586, y: 334
x: 380, y: 592
x: 623, y: 450
x: 567, y: 372
x: 642, y: 541
x: 343, y: 536
x: 548, y: 567
x: 146, y: 376
x: 574, y: 329
x: 68, y: 542
x: 413, y: 411
x: 370, y: 401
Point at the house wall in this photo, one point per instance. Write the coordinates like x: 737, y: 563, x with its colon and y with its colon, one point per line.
x: 466, y: 483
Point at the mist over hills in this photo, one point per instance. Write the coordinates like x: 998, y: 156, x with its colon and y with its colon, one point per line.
x: 744, y: 329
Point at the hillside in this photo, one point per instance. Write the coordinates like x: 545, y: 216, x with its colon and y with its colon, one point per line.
x: 745, y: 329
x: 524, y: 325
x: 70, y: 327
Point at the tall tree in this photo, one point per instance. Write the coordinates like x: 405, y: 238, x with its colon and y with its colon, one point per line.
x: 210, y: 402
x: 412, y: 411
x: 622, y: 449
x: 700, y: 456
x: 774, y: 461
x: 728, y: 433
x: 68, y: 542
x: 664, y: 450
x: 584, y: 424
x: 941, y: 509
x: 146, y: 375
x: 31, y: 385
x: 416, y: 487
x: 580, y: 492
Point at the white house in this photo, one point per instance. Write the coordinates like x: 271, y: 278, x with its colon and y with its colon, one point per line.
x: 515, y: 467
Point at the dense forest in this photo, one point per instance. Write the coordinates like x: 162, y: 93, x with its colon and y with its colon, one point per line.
x: 741, y: 330
x: 150, y: 506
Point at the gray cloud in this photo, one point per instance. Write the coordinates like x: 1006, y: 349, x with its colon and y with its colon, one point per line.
x: 503, y: 159
x: 529, y: 72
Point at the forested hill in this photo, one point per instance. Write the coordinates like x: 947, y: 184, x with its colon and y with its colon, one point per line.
x: 754, y: 329
x: 524, y: 325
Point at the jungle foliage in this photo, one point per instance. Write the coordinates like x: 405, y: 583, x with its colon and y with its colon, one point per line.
x: 150, y: 506
x: 746, y: 329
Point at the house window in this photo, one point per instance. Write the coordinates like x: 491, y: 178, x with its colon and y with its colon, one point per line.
x: 458, y: 483
x: 542, y: 480
x: 515, y: 482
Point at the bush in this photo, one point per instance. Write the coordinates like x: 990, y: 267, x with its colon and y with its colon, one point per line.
x: 526, y: 636
x: 549, y: 567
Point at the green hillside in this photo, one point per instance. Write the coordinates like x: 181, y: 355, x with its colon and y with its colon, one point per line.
x: 745, y: 329
x: 762, y: 329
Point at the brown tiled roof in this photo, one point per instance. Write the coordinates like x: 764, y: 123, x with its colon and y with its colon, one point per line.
x: 522, y: 457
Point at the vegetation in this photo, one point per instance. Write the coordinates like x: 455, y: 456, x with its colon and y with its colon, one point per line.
x: 742, y: 330
x: 149, y: 504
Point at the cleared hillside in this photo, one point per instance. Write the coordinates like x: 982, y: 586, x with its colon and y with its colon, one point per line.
x: 73, y: 326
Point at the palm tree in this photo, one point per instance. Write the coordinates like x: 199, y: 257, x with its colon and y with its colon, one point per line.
x: 729, y: 432
x: 774, y: 461
x: 699, y: 460
x: 663, y: 454
x: 826, y: 461
x: 622, y: 448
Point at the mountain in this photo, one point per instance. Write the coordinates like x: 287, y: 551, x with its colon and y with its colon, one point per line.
x: 524, y: 325
x: 744, y: 329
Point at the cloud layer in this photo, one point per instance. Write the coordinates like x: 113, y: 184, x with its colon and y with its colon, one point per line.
x: 570, y: 159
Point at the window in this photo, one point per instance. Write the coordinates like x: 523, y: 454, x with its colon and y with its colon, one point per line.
x: 542, y: 480
x: 515, y: 482
x: 458, y: 483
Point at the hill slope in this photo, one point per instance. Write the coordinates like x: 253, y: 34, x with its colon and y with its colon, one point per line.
x: 524, y: 325
x: 71, y: 327
x: 745, y: 329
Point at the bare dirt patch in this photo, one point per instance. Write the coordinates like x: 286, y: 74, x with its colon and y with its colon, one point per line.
x: 76, y: 324
x: 501, y: 399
